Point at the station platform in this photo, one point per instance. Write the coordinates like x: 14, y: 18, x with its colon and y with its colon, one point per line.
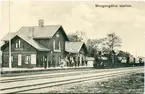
x: 20, y: 70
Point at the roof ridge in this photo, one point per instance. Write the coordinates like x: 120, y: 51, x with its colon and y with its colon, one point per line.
x: 12, y: 32
x: 38, y: 26
x: 75, y: 41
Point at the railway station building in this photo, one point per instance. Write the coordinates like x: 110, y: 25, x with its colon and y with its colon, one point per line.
x: 35, y: 46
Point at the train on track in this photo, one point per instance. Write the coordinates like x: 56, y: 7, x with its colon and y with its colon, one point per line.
x: 115, y: 61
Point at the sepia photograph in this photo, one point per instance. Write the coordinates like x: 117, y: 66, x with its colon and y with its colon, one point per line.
x: 72, y: 46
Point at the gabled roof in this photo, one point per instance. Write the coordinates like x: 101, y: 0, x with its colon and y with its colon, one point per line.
x: 31, y: 42
x: 6, y: 37
x: 73, y: 47
x: 47, y: 31
x: 40, y: 32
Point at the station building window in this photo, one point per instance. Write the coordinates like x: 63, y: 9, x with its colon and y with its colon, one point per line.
x: 27, y: 59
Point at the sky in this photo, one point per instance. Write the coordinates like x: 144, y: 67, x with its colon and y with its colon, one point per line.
x: 128, y: 22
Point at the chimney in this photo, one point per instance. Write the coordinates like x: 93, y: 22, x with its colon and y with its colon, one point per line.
x: 41, y: 22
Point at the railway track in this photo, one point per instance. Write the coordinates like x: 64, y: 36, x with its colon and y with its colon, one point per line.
x: 49, y: 75
x: 46, y: 76
x: 65, y: 80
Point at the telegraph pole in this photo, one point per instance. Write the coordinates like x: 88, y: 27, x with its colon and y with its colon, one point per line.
x: 10, y: 64
x: 136, y: 53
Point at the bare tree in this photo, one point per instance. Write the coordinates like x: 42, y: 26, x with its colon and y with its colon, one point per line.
x: 113, y: 41
x: 93, y: 45
x: 77, y: 36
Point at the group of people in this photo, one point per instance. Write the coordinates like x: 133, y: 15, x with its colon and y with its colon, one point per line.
x: 71, y: 62
x: 67, y: 62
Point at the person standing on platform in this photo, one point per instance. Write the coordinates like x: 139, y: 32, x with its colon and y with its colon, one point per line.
x: 45, y: 63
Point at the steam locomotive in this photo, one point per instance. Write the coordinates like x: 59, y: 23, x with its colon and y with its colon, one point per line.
x: 116, y: 61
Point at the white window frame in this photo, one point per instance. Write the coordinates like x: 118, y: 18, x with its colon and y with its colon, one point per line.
x: 33, y: 58
x: 19, y: 44
x: 16, y: 45
x: 59, y: 46
x: 54, y: 49
x: 19, y: 59
x: 57, y: 35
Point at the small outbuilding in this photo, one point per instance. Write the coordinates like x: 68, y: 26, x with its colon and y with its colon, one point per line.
x: 90, y: 61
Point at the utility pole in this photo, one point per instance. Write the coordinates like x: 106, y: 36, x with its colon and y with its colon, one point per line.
x: 136, y: 52
x: 10, y: 64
